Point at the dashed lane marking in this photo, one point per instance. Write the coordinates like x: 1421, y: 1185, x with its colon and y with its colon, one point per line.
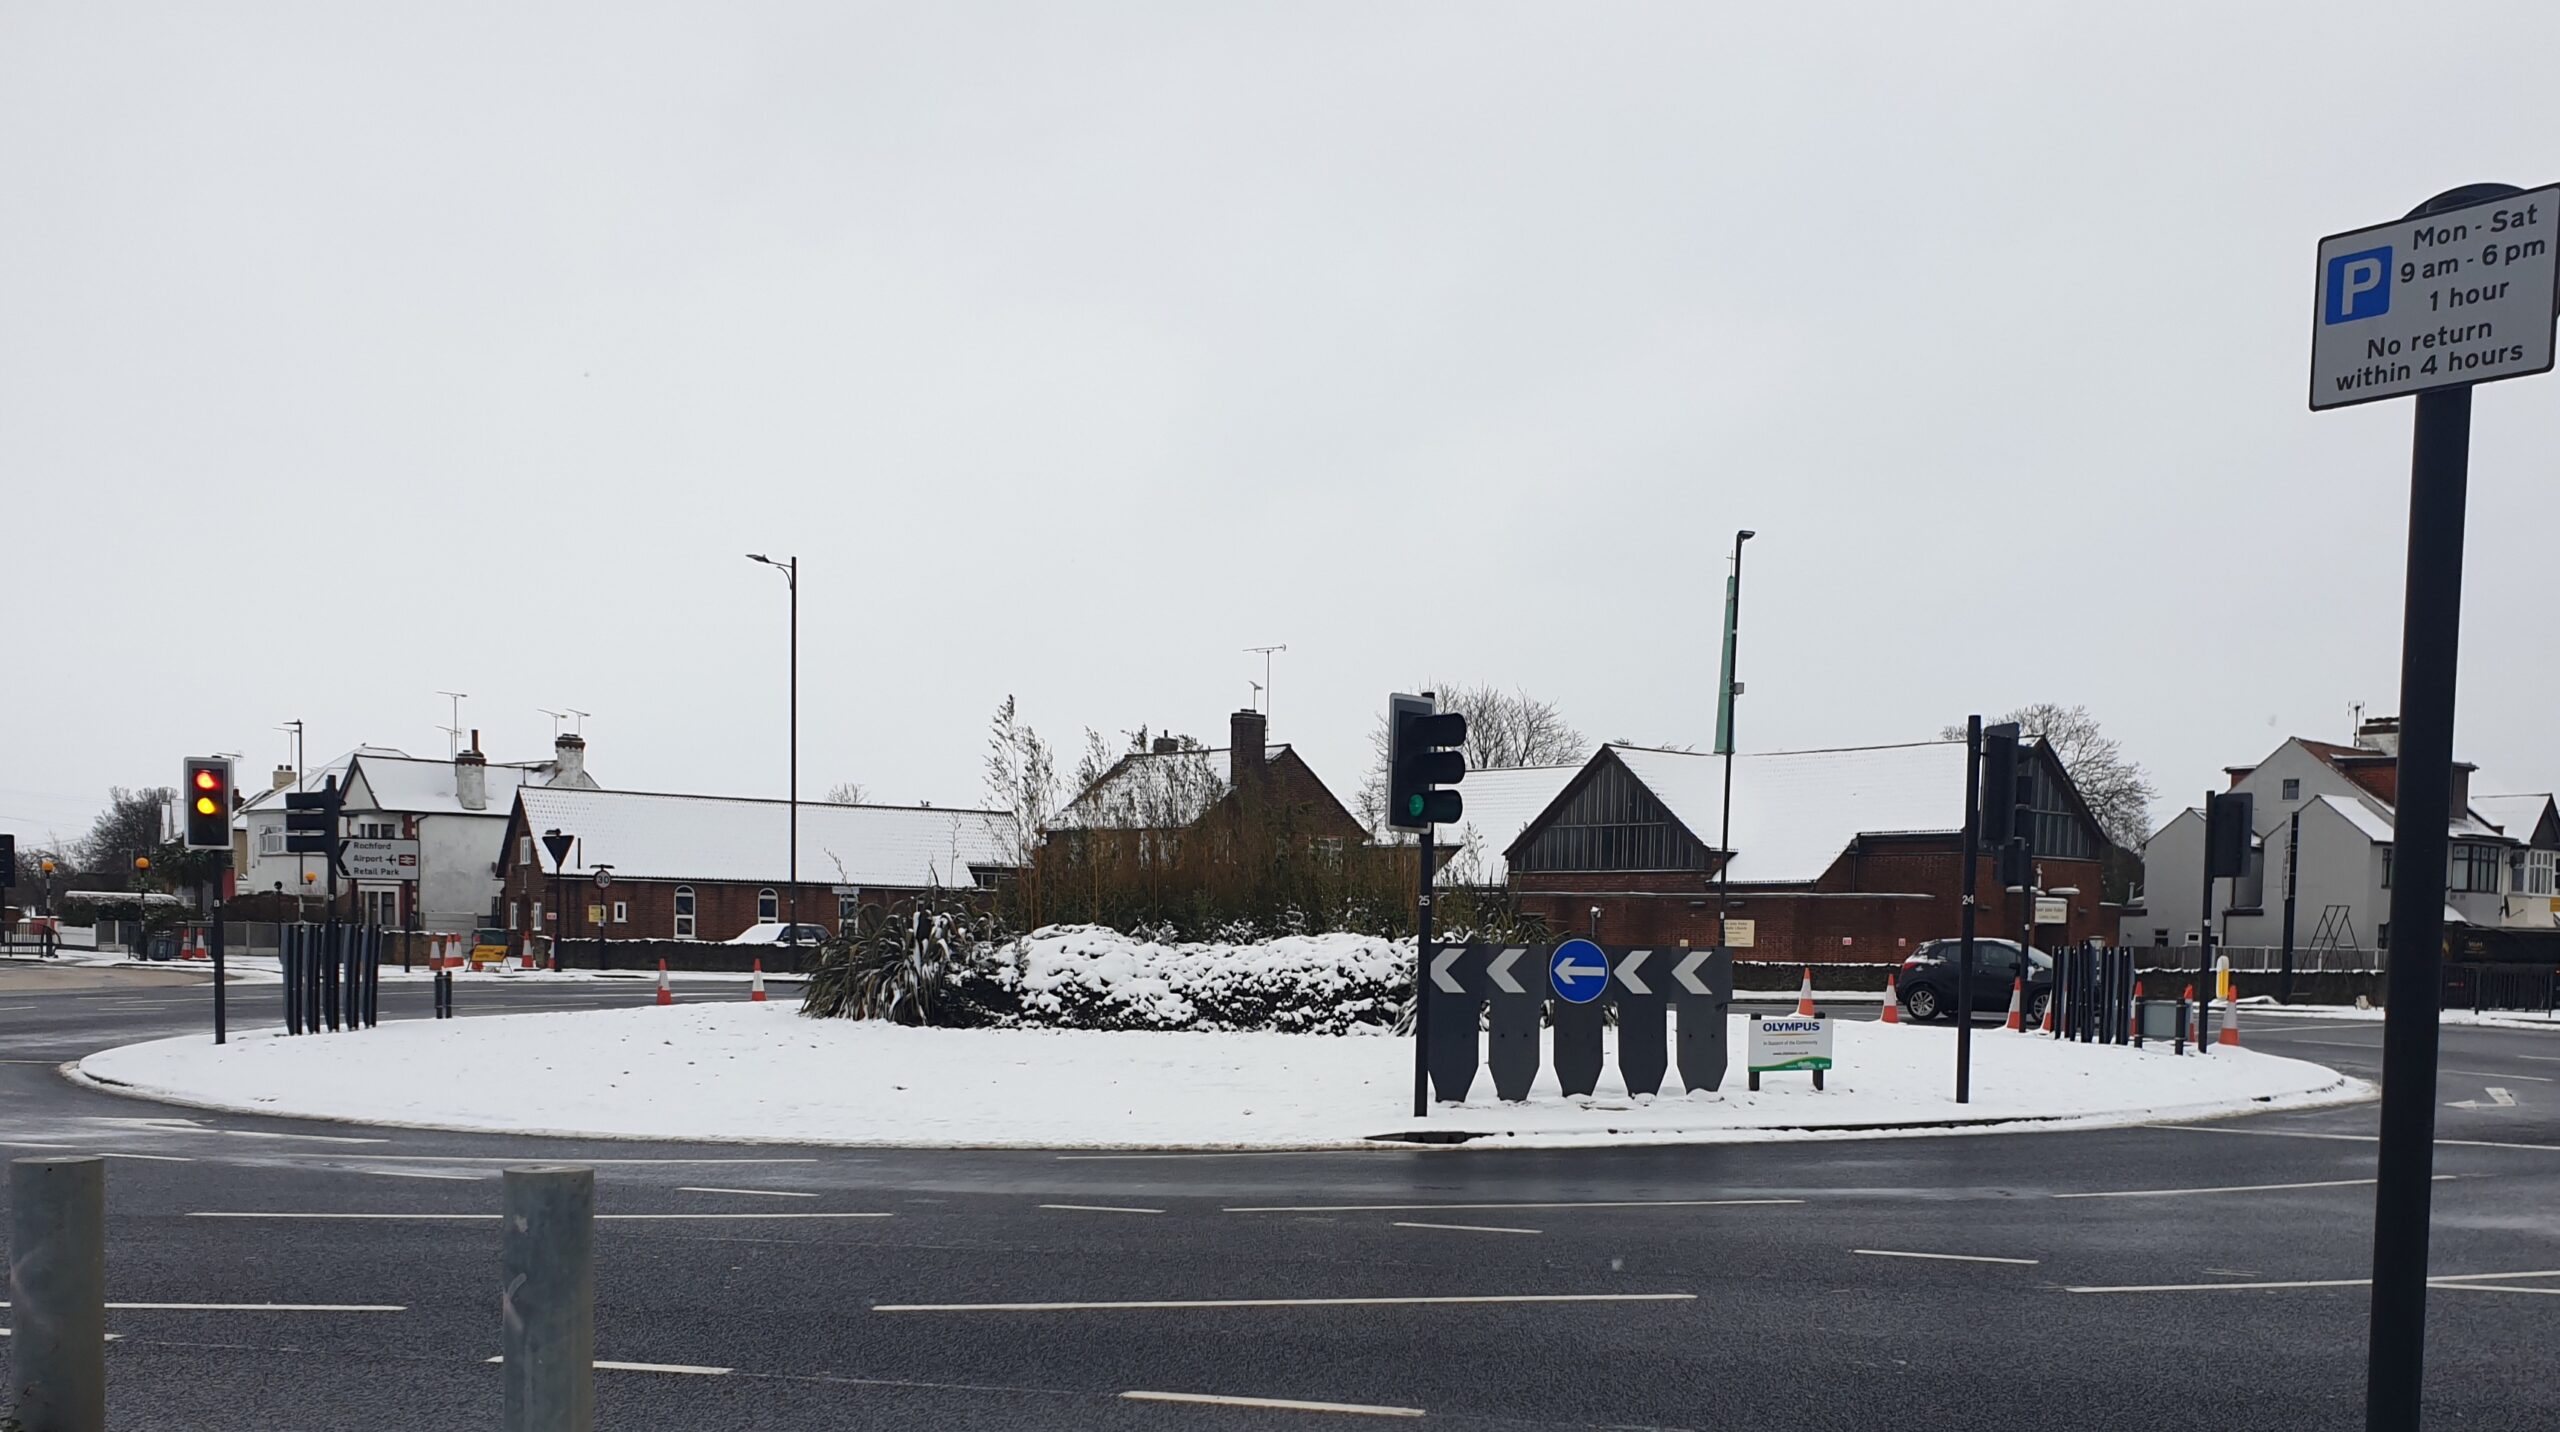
x: 1464, y: 1207
x: 1096, y: 1208
x: 2352, y: 1138
x: 1945, y: 1257
x: 1190, y: 1303
x: 255, y: 1307
x: 2230, y: 1188
x: 1468, y: 1228
x: 1275, y: 1404
x: 750, y: 1192
x: 492, y: 1218
x: 684, y: 1368
x: 2450, y: 1280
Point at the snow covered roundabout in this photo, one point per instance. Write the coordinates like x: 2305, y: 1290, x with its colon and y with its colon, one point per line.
x: 736, y: 1071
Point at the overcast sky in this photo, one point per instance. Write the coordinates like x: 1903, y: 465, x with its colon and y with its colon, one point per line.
x: 353, y: 353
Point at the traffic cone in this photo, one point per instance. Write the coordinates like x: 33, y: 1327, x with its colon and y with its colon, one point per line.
x: 2231, y: 1019
x: 2046, y: 1025
x: 666, y: 991
x: 755, y: 987
x: 2194, y: 1020
x: 1804, y: 994
x: 2016, y: 988
x: 2133, y: 1017
x: 1892, y: 1000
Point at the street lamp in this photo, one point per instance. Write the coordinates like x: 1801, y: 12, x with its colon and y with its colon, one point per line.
x: 790, y: 570
x: 1724, y: 732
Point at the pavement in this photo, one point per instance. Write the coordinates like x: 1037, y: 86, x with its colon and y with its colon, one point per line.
x: 2104, y: 1279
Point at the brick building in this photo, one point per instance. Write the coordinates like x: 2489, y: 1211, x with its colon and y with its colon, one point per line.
x: 709, y: 867
x: 1844, y: 855
x: 1150, y: 800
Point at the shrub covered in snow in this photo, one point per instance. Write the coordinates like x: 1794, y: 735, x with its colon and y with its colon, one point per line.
x: 1090, y: 977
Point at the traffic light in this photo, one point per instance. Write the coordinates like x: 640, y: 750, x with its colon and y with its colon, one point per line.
x: 205, y: 793
x: 8, y: 860
x: 2001, y: 769
x: 311, y: 821
x: 1421, y: 760
x: 2230, y: 824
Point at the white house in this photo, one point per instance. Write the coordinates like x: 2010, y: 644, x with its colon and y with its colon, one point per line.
x: 457, y: 812
x: 2500, y: 866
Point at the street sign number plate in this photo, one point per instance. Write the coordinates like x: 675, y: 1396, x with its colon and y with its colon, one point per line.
x: 2464, y: 296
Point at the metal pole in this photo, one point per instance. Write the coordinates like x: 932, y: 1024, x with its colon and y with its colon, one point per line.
x: 1422, y: 984
x: 793, y: 935
x: 2204, y: 938
x: 547, y: 1299
x: 58, y: 1294
x: 2292, y: 852
x: 1964, y: 946
x: 1724, y: 737
x: 221, y: 1011
x: 2439, y: 471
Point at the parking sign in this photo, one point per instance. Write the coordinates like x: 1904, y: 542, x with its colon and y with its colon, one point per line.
x: 2463, y: 296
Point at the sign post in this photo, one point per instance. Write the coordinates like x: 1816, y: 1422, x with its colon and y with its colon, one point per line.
x: 1787, y: 1044
x: 2459, y: 292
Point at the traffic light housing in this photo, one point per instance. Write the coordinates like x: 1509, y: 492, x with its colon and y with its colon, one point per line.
x: 204, y: 799
x: 311, y: 821
x: 1421, y: 759
x: 2001, y: 770
x: 2230, y: 825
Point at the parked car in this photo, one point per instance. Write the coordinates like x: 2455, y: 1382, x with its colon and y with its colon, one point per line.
x: 777, y: 933
x: 1927, y: 980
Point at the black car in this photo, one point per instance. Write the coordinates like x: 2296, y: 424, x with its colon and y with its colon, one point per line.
x: 1927, y: 980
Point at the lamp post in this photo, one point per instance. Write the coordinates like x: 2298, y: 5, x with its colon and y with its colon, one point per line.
x: 790, y: 569
x: 1724, y: 733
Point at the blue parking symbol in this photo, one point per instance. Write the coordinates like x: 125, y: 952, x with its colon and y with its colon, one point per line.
x: 2358, y: 286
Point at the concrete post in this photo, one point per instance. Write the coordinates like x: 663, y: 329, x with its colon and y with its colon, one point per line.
x: 58, y: 1293
x: 547, y: 1298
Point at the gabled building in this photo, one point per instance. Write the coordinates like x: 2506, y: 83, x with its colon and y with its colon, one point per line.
x: 684, y: 867
x: 1150, y: 801
x: 2335, y: 808
x: 457, y: 812
x: 1853, y: 854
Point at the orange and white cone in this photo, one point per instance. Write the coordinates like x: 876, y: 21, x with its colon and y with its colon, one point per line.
x: 755, y: 986
x: 2045, y: 1025
x: 1804, y: 994
x: 666, y: 991
x: 2133, y: 1016
x: 2231, y: 1019
x: 1892, y: 1001
x: 2016, y: 1021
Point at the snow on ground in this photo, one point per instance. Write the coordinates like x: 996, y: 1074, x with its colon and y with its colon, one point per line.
x: 2485, y: 1019
x: 732, y: 1070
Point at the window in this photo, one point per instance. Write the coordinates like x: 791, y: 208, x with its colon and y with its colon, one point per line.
x: 2542, y: 873
x: 848, y: 909
x: 379, y: 907
x: 2516, y: 870
x: 2292, y: 788
x: 524, y: 850
x: 271, y: 842
x: 768, y: 907
x: 2386, y: 867
x: 684, y: 912
x: 515, y: 914
x: 2382, y: 936
x: 377, y: 830
x: 621, y: 912
x: 2159, y: 936
x: 2475, y: 870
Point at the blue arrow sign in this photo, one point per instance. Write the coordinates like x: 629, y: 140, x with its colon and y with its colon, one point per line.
x: 1579, y: 971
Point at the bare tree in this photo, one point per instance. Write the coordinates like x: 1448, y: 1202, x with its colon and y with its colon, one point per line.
x: 1505, y: 730
x: 131, y: 826
x: 2118, y: 791
x: 1022, y: 782
x: 848, y: 793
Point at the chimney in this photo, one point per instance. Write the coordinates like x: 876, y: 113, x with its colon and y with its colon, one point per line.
x: 283, y: 777
x: 1165, y: 745
x: 2461, y: 789
x: 2379, y: 733
x: 568, y: 760
x: 1247, y: 734
x: 471, y: 776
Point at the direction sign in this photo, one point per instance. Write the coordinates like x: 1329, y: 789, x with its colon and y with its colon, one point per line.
x: 379, y: 859
x: 1579, y: 971
x: 2462, y: 296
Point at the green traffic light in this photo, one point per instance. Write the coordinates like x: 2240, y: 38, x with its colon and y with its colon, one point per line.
x: 1413, y: 806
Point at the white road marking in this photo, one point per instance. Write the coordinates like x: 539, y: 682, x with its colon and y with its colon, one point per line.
x: 258, y: 1307
x: 2352, y: 1138
x: 1282, y: 1303
x: 1278, y: 1404
x: 721, y: 1217
x: 752, y: 1192
x: 414, y: 1173
x: 269, y: 1134
x: 1468, y: 1228
x: 2485, y: 1074
x: 398, y: 1217
x: 1945, y: 1257
x: 1096, y: 1208
x: 111, y: 1337
x: 155, y: 1158
x: 686, y: 1368
x: 2469, y: 1286
x: 2541, y: 1058
x: 1224, y: 1154
x: 2499, y: 1098
x: 2230, y: 1188
x: 2447, y: 1280
x: 1464, y: 1207
x: 523, y: 1159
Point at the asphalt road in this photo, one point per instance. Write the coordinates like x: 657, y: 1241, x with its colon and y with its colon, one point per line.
x: 2081, y: 1280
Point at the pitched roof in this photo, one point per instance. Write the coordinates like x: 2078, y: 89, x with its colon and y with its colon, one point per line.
x: 1795, y: 811
x: 313, y: 779
x: 645, y: 835
x: 1500, y: 803
x: 2376, y: 821
x: 2375, y: 825
x: 2518, y: 817
x: 1155, y: 790
x: 423, y: 787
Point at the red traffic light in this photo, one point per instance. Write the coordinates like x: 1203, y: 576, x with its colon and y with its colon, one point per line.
x: 206, y: 780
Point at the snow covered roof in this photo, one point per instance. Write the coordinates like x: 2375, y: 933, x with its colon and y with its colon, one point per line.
x: 2374, y: 824
x: 273, y: 796
x: 1155, y: 790
x: 425, y: 787
x: 2518, y: 816
x: 1500, y: 804
x: 1795, y: 811
x: 644, y: 835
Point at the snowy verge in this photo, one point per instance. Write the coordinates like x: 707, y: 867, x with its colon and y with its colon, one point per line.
x: 735, y: 1071
x: 2485, y: 1019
